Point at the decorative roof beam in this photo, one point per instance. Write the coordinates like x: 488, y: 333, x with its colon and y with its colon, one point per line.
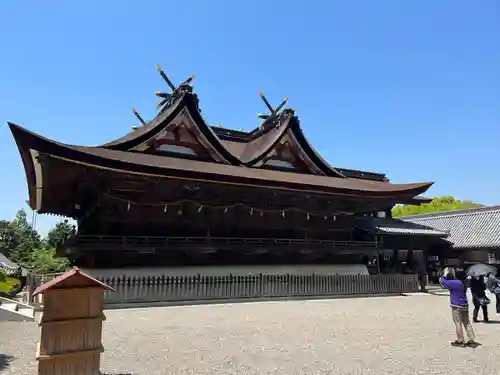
x: 165, y: 77
x: 168, y: 97
x: 141, y: 120
x: 273, y: 111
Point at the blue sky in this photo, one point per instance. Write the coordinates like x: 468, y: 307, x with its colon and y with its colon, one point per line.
x: 408, y: 88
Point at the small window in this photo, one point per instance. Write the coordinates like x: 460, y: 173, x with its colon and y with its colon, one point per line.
x: 381, y: 214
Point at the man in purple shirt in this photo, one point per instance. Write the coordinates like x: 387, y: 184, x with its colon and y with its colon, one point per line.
x: 459, y: 305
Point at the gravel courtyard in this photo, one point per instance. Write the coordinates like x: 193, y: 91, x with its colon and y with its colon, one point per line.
x: 386, y: 335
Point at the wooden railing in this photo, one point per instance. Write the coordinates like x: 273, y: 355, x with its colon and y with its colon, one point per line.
x: 160, y: 289
x: 157, y: 241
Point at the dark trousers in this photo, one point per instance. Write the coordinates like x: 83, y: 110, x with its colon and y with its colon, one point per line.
x: 497, y: 295
x: 477, y: 305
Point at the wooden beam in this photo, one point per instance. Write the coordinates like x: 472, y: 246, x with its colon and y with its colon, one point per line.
x: 67, y: 355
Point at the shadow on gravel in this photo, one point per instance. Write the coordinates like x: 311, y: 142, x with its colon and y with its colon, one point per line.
x: 474, y: 345
x: 5, y: 361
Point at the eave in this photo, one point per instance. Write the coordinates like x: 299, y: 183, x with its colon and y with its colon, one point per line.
x: 397, y: 228
x: 30, y: 144
x: 418, y: 200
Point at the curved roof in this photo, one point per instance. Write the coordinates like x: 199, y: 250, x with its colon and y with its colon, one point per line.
x: 105, y: 158
x: 251, y: 148
x: 311, y: 153
x: 237, y: 156
x: 185, y: 101
x: 260, y: 146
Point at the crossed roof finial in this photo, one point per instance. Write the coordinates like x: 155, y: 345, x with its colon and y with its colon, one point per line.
x: 167, y: 97
x: 274, y: 111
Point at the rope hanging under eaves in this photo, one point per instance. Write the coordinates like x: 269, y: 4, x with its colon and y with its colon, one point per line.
x: 224, y: 207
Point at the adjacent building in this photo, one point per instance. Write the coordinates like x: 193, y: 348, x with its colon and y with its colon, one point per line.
x: 474, y: 234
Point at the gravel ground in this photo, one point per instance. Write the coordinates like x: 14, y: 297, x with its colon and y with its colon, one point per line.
x: 386, y: 335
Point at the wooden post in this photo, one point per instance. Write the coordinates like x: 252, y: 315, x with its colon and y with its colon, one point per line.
x: 71, y: 325
x: 30, y: 283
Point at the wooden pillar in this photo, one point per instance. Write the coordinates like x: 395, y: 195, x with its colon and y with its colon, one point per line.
x: 30, y: 284
x: 71, y: 325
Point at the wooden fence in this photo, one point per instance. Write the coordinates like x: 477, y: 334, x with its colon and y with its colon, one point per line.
x: 152, y: 290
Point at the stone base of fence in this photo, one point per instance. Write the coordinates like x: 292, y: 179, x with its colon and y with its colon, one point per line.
x: 139, y: 305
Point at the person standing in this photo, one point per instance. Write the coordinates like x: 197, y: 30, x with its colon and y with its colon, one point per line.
x: 455, y: 283
x: 493, y: 285
x: 479, y: 299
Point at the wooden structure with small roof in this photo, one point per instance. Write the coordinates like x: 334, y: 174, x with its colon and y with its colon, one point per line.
x: 176, y: 190
x: 71, y: 325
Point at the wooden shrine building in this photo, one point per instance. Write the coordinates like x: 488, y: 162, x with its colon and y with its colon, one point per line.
x: 177, y: 191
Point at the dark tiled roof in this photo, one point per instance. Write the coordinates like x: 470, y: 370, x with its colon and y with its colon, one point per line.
x: 7, y: 263
x: 10, y: 268
x: 421, y: 199
x: 471, y: 228
x: 397, y: 227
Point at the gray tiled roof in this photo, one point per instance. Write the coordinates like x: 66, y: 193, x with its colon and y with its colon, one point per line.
x: 472, y: 228
x: 9, y: 267
x: 6, y: 263
x: 394, y: 226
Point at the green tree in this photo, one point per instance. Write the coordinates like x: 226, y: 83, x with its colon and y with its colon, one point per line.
x: 21, y: 239
x: 46, y: 261
x: 438, y: 204
x: 6, y: 237
x: 21, y: 243
x: 7, y: 284
x: 59, y: 234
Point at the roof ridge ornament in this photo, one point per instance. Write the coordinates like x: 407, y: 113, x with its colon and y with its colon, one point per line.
x: 274, y: 111
x: 169, y: 98
x: 141, y: 120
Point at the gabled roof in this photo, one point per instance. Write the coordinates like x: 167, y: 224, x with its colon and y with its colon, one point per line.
x: 234, y: 148
x: 470, y: 228
x: 236, y: 141
x: 188, y: 101
x: 396, y: 227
